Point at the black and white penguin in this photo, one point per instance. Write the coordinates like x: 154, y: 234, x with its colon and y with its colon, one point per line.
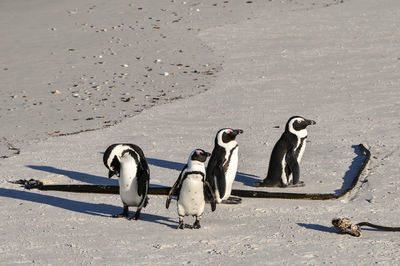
x: 113, y: 153
x: 190, y: 189
x: 222, y: 166
x: 130, y: 165
x: 284, y: 170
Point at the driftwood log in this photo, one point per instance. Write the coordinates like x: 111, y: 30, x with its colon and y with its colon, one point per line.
x: 108, y: 189
x: 344, y: 225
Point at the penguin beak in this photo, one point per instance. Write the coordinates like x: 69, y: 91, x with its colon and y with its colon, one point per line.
x: 207, y: 154
x: 237, y: 131
x: 310, y: 122
x: 110, y: 173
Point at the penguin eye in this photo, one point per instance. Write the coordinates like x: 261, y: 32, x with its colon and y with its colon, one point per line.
x: 228, y: 131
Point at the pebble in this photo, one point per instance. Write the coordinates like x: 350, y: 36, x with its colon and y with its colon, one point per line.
x: 125, y: 65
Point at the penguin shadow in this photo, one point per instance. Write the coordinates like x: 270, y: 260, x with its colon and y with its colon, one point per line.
x: 96, y: 209
x: 148, y: 217
x: 247, y: 179
x: 318, y: 227
x: 103, y: 210
x: 79, y: 176
x: 244, y: 178
x: 353, y: 169
x: 165, y: 164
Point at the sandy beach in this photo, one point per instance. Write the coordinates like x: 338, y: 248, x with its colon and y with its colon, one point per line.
x: 77, y: 76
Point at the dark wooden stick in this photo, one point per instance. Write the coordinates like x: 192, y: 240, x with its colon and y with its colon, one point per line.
x: 107, y: 189
x: 344, y: 225
x: 380, y: 227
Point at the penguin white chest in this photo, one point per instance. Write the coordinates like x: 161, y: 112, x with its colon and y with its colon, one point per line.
x: 128, y: 183
x: 289, y: 179
x: 191, y: 198
x: 301, y: 152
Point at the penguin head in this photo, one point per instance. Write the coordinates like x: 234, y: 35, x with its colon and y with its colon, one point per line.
x: 298, y: 125
x: 114, y: 167
x: 199, y: 155
x: 226, y: 135
x: 112, y: 158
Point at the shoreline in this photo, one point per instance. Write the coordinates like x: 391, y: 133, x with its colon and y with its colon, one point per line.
x: 72, y: 85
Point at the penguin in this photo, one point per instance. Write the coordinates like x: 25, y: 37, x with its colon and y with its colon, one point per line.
x: 113, y: 152
x: 223, y: 163
x: 283, y: 170
x: 129, y: 164
x: 190, y: 189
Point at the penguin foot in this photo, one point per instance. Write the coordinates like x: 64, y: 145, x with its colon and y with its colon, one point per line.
x: 134, y: 217
x: 266, y: 183
x: 299, y: 184
x: 181, y: 225
x: 121, y: 215
x: 232, y: 200
x: 124, y: 213
x: 196, y: 225
x: 260, y: 184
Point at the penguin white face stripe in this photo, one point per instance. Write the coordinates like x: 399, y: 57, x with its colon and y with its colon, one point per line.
x: 299, y: 133
x: 229, y: 145
x: 117, y: 151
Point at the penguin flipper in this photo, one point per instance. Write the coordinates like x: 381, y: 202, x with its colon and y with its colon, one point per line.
x: 143, y: 176
x: 143, y: 186
x: 175, y: 188
x: 209, y: 191
x: 293, y: 165
x: 221, y: 182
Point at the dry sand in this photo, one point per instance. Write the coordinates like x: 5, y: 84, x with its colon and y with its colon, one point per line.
x: 251, y: 65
